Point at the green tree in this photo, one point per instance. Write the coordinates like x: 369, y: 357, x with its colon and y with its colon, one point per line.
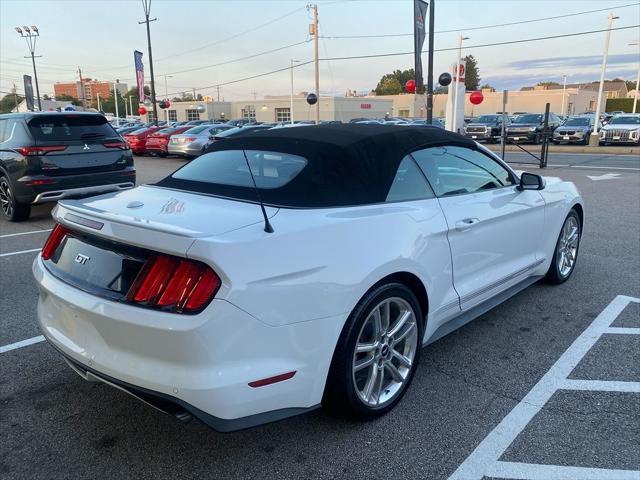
x: 46, y: 97
x: 486, y: 85
x: 393, y: 83
x: 8, y: 102
x: 547, y: 84
x: 471, y: 73
x: 631, y: 84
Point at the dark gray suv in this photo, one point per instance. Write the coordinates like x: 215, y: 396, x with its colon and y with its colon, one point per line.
x: 47, y: 156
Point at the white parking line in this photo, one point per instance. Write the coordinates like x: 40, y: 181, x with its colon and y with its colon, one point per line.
x: 23, y: 343
x: 20, y: 252
x: 24, y: 233
x: 484, y: 460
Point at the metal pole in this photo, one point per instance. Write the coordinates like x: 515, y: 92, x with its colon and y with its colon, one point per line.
x: 166, y: 96
x: 291, y: 105
x: 503, y: 141
x: 98, y: 99
x: 35, y: 76
x: 594, y: 140
x: 430, y: 64
x: 455, y: 83
x: 82, y: 93
x: 115, y: 97
x: 130, y: 106
x: 147, y: 10
x: 316, y: 61
x: 635, y: 96
x: 545, y: 137
x: 564, y: 87
x: 15, y: 96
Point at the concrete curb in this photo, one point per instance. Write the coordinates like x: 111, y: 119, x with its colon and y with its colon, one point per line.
x: 535, y: 149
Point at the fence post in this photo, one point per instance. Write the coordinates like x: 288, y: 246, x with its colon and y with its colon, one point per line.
x: 545, y: 138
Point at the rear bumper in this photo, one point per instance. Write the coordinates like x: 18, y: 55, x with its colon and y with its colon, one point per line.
x: 70, y: 186
x: 200, y: 364
x: 188, y: 149
x: 155, y: 148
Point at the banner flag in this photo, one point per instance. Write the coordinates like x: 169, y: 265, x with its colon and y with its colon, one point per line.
x: 28, y: 92
x: 419, y: 13
x: 137, y: 58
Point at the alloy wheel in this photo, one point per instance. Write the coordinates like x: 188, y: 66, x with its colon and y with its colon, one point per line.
x: 385, y: 352
x: 6, y: 200
x: 568, y: 246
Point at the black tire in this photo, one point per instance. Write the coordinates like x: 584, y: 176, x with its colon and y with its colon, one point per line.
x: 554, y: 274
x: 340, y: 391
x: 10, y: 208
x: 162, y: 154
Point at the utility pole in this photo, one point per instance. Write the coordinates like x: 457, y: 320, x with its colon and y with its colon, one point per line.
x: 98, y: 99
x: 147, y: 10
x: 430, y: 64
x: 564, y: 87
x: 218, y: 89
x: 115, y: 98
x: 291, y: 107
x: 635, y: 96
x: 31, y: 35
x: 315, y: 58
x: 15, y: 96
x: 130, y: 106
x: 166, y: 96
x: 194, y: 94
x: 455, y: 84
x: 82, y: 94
x: 594, y: 140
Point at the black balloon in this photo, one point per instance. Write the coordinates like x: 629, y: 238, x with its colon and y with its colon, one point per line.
x: 312, y: 99
x: 162, y: 104
x: 444, y: 79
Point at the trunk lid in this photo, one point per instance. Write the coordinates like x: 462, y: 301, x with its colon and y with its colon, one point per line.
x: 158, y: 218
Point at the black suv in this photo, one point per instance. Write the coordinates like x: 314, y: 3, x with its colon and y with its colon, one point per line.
x: 529, y: 127
x: 486, y: 127
x: 46, y: 156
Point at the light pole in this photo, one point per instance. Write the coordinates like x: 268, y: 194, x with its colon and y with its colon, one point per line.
x: 455, y: 83
x: 166, y: 96
x: 595, y: 135
x: 31, y: 35
x: 291, y: 108
x: 635, y: 95
x: 564, y: 87
x: 147, y: 10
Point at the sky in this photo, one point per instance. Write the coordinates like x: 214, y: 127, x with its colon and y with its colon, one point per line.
x: 213, y: 38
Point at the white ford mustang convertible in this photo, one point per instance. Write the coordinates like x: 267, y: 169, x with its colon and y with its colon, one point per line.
x: 297, y: 267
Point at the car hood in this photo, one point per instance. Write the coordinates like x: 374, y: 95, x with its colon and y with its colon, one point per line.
x: 170, y: 211
x: 523, y: 125
x: 562, y: 128
x: 476, y: 124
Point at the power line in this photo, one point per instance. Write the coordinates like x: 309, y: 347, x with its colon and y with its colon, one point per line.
x: 226, y: 62
x: 467, y: 47
x: 354, y: 57
x: 243, y: 32
x: 520, y: 22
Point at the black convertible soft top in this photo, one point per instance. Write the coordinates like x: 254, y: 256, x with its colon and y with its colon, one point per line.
x: 347, y: 164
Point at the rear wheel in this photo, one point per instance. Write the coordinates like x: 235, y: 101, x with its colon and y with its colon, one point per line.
x: 11, y: 209
x: 566, y: 252
x: 377, y: 353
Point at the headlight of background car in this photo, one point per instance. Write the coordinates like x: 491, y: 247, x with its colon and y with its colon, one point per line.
x: 532, y: 129
x: 635, y: 133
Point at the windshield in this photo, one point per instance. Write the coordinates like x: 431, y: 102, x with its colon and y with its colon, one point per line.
x: 229, y: 167
x: 51, y: 128
x: 486, y: 119
x: 578, y: 122
x: 625, y: 121
x: 528, y: 119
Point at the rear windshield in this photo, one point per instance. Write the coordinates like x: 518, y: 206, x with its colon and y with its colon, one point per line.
x: 196, y: 130
x: 138, y: 131
x: 229, y: 167
x: 52, y: 128
x: 166, y: 131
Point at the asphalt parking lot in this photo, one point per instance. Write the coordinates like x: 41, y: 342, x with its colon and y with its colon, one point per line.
x: 545, y: 386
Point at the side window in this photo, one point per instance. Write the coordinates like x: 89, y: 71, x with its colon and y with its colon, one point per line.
x: 3, y: 124
x: 409, y: 183
x: 458, y: 170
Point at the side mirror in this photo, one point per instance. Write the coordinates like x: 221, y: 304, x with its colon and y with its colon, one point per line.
x: 531, y: 181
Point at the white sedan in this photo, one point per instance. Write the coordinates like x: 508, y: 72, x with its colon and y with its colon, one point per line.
x: 242, y: 295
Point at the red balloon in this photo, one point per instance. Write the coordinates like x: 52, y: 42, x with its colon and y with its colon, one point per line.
x: 410, y: 86
x: 142, y: 110
x: 476, y: 98
x: 167, y: 103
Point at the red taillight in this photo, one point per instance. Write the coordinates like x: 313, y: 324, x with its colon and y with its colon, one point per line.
x: 44, y: 181
x: 189, y: 139
x: 53, y: 242
x: 33, y: 151
x: 120, y: 145
x: 174, y: 284
x: 270, y: 380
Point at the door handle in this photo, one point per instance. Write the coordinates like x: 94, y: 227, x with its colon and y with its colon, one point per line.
x: 466, y: 224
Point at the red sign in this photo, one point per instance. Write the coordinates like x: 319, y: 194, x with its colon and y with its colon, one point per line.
x: 365, y: 106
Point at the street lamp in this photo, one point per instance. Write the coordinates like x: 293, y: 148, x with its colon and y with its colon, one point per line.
x: 291, y: 108
x: 455, y: 83
x: 564, y: 87
x: 31, y: 35
x: 635, y: 96
x: 595, y: 135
